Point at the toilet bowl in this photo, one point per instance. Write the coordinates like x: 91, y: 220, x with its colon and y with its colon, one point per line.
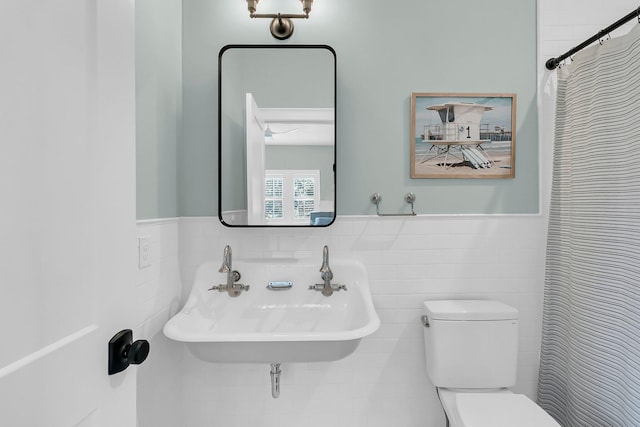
x: 501, y: 408
x: 471, y: 352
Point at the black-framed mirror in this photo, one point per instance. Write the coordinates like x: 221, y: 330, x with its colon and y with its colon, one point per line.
x: 276, y: 135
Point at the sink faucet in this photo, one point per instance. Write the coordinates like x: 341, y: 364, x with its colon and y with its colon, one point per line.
x: 325, y: 270
x: 232, y: 288
x: 327, y: 288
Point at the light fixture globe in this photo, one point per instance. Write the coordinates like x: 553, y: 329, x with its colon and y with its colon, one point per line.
x: 306, y: 6
x: 252, y: 5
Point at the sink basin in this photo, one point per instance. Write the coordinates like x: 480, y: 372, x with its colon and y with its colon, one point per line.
x: 276, y: 326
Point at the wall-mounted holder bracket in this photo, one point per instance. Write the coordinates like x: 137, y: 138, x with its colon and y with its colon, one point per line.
x: 124, y: 352
x: 376, y: 198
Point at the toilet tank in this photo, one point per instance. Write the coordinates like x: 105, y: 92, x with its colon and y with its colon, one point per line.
x: 471, y: 343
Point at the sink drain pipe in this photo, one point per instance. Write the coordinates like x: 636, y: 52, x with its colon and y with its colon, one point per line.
x: 275, y: 380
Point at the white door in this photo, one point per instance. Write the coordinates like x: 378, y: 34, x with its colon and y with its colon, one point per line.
x: 67, y: 210
x: 255, y: 127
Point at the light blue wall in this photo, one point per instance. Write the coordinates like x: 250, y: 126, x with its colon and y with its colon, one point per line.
x: 158, y: 106
x: 385, y: 51
x: 235, y: 153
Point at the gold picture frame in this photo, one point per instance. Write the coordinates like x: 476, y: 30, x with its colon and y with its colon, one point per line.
x: 463, y: 135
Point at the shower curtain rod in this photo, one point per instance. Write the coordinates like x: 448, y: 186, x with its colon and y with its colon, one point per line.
x: 553, y: 63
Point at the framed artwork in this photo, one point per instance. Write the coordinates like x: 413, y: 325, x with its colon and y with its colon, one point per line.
x: 463, y: 135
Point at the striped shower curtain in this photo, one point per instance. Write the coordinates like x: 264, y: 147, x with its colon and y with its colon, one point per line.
x: 590, y: 356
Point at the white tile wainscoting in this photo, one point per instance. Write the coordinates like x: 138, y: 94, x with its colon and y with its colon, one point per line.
x: 384, y: 382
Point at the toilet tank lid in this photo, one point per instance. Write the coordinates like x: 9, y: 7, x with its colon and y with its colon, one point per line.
x: 469, y: 310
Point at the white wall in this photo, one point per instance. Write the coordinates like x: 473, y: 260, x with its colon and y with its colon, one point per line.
x: 408, y: 260
x: 158, y: 291
x: 384, y: 382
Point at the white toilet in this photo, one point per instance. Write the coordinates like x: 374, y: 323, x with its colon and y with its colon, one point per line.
x: 472, y: 351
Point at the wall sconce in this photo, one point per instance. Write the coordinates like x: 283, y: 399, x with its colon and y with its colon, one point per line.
x: 281, y: 25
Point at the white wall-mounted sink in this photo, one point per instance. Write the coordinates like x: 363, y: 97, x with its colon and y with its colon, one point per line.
x: 262, y: 325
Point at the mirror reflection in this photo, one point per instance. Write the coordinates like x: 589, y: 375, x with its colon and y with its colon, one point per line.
x: 277, y: 135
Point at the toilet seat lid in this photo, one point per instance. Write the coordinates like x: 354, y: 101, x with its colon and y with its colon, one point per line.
x: 501, y: 410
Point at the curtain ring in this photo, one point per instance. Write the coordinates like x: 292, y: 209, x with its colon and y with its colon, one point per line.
x: 601, y: 35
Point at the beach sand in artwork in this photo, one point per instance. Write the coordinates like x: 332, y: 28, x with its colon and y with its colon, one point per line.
x: 456, y: 168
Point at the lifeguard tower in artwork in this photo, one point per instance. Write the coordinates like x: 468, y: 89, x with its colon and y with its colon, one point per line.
x: 458, y: 135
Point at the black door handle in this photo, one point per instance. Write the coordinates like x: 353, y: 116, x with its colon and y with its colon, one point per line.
x: 123, y: 351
